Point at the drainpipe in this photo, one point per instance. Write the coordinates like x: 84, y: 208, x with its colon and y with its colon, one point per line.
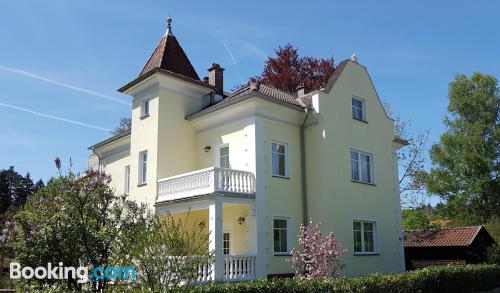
x: 305, y: 215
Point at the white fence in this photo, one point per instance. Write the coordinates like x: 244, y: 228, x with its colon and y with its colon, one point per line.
x: 205, y: 181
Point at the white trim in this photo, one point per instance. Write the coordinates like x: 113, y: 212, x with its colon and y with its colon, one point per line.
x: 287, y: 157
x: 375, y: 237
x: 372, y: 164
x: 126, y: 187
x: 363, y: 106
x: 141, y: 176
x: 217, y: 154
x: 288, y: 220
x: 144, y: 102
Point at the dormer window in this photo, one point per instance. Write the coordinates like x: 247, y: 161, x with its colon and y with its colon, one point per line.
x: 145, y: 108
x: 358, y: 109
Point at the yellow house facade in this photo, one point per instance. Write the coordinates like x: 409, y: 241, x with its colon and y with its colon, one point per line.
x: 255, y: 164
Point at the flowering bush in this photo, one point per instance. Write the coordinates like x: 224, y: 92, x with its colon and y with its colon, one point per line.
x: 317, y: 256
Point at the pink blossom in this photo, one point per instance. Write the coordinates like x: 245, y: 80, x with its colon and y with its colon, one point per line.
x: 317, y: 256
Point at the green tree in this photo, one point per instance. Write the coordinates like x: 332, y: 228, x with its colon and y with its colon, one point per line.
x: 15, y: 189
x: 169, y: 251
x: 75, y: 219
x: 416, y: 219
x: 466, y: 160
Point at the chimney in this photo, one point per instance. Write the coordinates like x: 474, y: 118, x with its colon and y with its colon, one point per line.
x: 216, y: 78
x: 302, y: 90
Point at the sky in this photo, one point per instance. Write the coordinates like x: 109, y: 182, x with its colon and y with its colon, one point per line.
x: 62, y: 61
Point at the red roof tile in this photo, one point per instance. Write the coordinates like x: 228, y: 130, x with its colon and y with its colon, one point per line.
x: 461, y: 236
x: 170, y: 56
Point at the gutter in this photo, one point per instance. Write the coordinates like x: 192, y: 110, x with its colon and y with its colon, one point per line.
x: 305, y: 214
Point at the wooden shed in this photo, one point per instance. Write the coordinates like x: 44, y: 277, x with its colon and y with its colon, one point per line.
x: 461, y: 245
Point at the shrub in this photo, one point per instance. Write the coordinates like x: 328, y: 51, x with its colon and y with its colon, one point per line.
x: 451, y: 278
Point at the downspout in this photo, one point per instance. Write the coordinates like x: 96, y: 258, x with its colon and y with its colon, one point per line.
x: 305, y: 215
x: 98, y: 160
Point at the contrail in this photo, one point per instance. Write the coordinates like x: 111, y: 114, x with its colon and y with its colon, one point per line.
x: 53, y: 117
x: 69, y: 86
x: 230, y: 53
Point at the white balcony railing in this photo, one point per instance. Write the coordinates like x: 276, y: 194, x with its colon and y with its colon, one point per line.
x: 239, y: 267
x: 205, y: 181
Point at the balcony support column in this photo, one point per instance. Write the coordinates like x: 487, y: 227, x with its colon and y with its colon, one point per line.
x: 215, y: 237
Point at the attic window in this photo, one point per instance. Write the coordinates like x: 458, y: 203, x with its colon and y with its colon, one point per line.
x: 358, y: 109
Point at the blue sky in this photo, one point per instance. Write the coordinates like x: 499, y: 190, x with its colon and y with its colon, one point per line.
x: 62, y: 61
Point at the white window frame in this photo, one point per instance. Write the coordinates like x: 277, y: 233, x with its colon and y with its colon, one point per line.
x: 126, y: 187
x: 372, y: 166
x: 363, y: 108
x: 288, y: 235
x: 145, y: 107
x: 375, y: 237
x: 217, y: 154
x: 230, y: 248
x: 143, y: 170
x: 287, y: 159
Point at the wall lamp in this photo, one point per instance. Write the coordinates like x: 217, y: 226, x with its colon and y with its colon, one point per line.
x: 207, y: 148
x: 241, y: 220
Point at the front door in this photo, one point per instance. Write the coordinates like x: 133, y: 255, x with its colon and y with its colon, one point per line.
x: 226, y: 243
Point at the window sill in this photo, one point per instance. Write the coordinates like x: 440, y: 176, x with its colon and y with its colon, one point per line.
x: 282, y: 254
x: 365, y: 253
x: 360, y: 120
x: 365, y: 183
x: 279, y: 176
x: 144, y: 116
x: 142, y: 184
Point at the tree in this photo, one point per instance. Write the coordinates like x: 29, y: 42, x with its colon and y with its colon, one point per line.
x: 317, y: 256
x: 466, y: 160
x: 411, y: 160
x: 75, y: 219
x: 124, y: 125
x: 287, y: 70
x: 417, y: 219
x: 169, y: 252
x: 15, y: 189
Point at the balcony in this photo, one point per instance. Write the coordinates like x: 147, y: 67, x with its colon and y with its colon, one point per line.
x: 236, y: 268
x: 206, y: 181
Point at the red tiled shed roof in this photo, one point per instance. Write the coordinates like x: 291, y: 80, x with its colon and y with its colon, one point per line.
x: 460, y: 236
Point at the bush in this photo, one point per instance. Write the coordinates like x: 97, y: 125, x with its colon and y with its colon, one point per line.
x: 451, y: 278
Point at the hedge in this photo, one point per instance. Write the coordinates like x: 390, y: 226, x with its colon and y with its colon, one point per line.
x: 451, y: 278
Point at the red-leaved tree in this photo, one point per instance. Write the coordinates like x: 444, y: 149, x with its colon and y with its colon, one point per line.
x: 287, y: 70
x: 317, y: 256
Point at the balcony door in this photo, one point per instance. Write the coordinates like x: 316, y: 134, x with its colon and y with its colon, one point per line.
x: 223, y: 156
x: 223, y: 162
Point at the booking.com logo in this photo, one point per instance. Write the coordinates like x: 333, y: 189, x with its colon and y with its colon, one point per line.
x: 61, y: 272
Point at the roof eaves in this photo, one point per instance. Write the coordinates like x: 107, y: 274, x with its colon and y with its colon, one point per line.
x: 110, y: 140
x: 166, y: 72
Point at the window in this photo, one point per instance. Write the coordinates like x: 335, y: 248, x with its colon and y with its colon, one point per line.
x: 224, y: 157
x: 279, y: 152
x: 143, y: 167
x: 145, y: 108
x: 358, y: 110
x: 361, y: 167
x: 126, y: 188
x: 280, y: 234
x: 364, y: 236
x: 226, y: 244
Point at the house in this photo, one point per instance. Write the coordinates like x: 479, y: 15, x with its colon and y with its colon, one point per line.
x: 255, y: 164
x: 460, y: 245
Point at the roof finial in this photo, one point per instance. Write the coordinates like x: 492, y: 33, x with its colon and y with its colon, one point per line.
x: 169, y: 27
x: 354, y: 57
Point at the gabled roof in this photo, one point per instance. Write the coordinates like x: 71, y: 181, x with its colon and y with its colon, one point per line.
x: 170, y: 56
x: 460, y: 236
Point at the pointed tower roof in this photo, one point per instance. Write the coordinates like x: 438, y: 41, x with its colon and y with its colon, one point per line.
x: 170, y: 56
